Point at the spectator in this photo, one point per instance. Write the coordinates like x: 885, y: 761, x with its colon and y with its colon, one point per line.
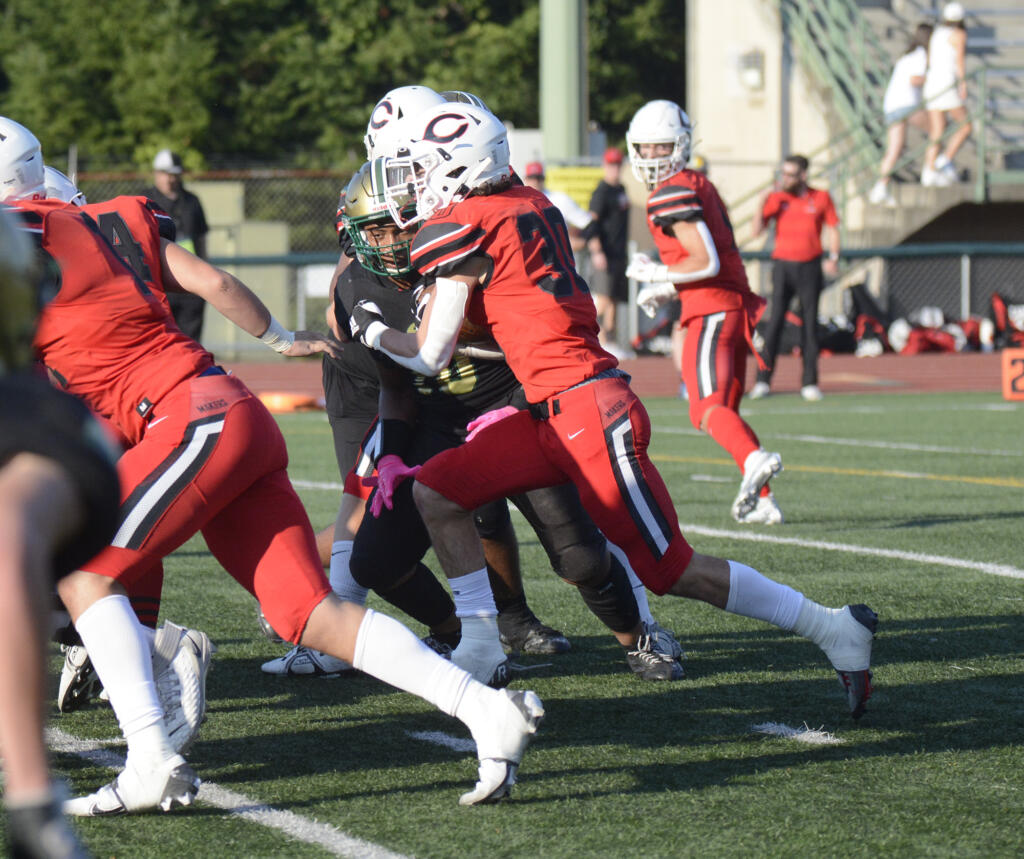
x: 902, y: 104
x: 799, y: 212
x: 184, y: 207
x: 576, y: 219
x: 606, y: 240
x: 945, y: 92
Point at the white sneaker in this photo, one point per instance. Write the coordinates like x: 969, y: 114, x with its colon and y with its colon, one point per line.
x: 79, y: 683
x: 481, y: 654
x: 759, y: 467
x: 765, y: 512
x: 305, y: 662
x: 181, y: 661
x: 759, y: 391
x: 512, y: 719
x: 811, y: 393
x: 880, y: 195
x: 934, y: 179
x: 946, y: 169
x: 172, y: 783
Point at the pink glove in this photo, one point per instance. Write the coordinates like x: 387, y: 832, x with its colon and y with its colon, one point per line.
x: 391, y: 471
x: 488, y: 418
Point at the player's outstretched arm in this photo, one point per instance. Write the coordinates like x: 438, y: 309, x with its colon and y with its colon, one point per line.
x: 184, y: 271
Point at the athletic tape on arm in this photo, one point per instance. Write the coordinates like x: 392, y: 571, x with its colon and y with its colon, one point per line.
x: 710, y: 270
x: 442, y: 331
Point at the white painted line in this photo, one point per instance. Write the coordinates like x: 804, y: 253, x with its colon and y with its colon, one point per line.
x: 439, y: 738
x: 333, y: 840
x: 801, y: 735
x: 854, y: 442
x: 314, y: 484
x: 1004, y: 570
x: 915, y: 557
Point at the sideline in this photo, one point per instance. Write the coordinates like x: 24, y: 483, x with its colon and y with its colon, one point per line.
x: 333, y: 840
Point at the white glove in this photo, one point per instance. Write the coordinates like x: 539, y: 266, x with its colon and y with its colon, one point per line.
x: 651, y: 298
x: 643, y: 269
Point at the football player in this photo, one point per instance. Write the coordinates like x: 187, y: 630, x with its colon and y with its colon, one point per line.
x: 499, y: 255
x: 701, y: 266
x: 206, y: 455
x: 58, y: 507
x: 421, y: 415
x: 181, y: 657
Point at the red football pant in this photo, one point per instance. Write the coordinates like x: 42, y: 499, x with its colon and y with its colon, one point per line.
x: 714, y: 367
x: 213, y: 460
x: 596, y: 437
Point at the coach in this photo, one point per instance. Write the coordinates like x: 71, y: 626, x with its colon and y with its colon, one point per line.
x: 800, y: 212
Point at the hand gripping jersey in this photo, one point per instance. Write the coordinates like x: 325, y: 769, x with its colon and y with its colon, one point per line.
x: 533, y: 302
x: 107, y: 336
x: 689, y: 196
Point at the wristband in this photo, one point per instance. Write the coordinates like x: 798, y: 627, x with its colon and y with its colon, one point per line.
x: 374, y: 331
x: 834, y: 257
x: 277, y: 337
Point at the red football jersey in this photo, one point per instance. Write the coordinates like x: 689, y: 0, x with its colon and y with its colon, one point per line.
x: 689, y: 196
x: 127, y: 223
x: 533, y: 302
x: 105, y: 335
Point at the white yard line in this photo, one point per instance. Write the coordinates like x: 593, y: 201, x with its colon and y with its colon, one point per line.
x: 333, y: 840
x: 1004, y: 570
x: 857, y: 442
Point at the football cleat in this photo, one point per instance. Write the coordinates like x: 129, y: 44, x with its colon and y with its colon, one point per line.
x: 512, y: 719
x: 648, y: 663
x: 811, y: 393
x: 759, y: 467
x: 851, y: 656
x: 305, y: 662
x: 41, y: 832
x: 529, y: 635
x: 441, y: 648
x: 181, y: 661
x: 79, y: 683
x: 664, y: 641
x: 172, y: 783
x: 765, y: 512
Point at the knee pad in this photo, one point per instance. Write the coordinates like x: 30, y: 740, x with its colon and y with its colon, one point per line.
x: 612, y: 601
x: 492, y: 519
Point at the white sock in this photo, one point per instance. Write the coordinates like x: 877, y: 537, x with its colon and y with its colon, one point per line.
x: 150, y: 635
x: 818, y: 624
x: 123, y: 661
x: 472, y: 595
x: 639, y: 591
x: 757, y: 596
x: 342, y: 582
x: 387, y: 650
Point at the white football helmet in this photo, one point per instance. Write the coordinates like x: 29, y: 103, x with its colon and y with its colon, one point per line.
x: 60, y: 187
x: 659, y: 122
x: 450, y: 150
x: 459, y: 95
x: 21, y: 162
x: 397, y: 104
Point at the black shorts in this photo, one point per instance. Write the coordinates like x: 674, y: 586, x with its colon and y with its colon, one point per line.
x: 35, y: 418
x: 612, y: 282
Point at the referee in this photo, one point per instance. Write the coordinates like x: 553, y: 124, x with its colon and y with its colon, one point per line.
x: 800, y: 212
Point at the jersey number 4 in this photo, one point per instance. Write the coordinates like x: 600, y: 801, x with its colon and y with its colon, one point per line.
x: 116, y: 231
x: 549, y: 259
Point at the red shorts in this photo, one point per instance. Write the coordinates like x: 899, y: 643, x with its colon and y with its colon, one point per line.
x: 596, y: 437
x: 212, y: 459
x: 714, y: 363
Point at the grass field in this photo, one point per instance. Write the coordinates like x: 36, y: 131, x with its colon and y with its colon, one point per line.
x: 913, y: 504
